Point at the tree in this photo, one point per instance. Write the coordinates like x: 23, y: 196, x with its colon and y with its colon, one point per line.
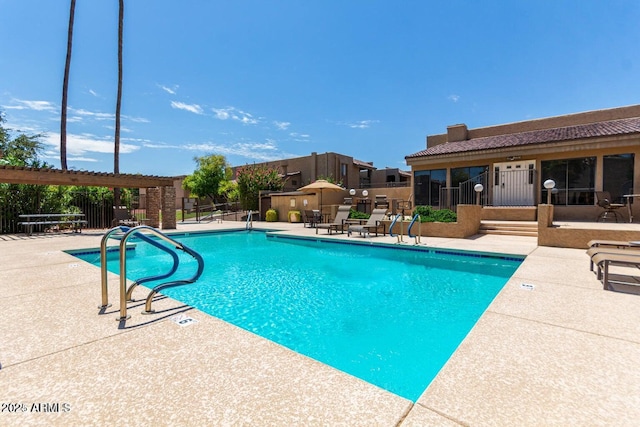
x: 116, y: 150
x: 15, y: 199
x: 207, y: 179
x: 254, y: 178
x: 65, y: 87
x: 22, y: 150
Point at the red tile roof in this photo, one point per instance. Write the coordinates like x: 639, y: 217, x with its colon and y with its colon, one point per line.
x: 590, y: 130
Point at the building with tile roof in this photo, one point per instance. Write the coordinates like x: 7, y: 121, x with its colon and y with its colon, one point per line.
x: 582, y: 153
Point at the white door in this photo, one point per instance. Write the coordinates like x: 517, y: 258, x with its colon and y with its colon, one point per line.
x: 513, y: 183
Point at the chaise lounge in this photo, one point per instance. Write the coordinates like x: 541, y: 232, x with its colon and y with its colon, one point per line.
x: 338, y: 222
x: 622, y: 258
x: 610, y: 247
x: 373, y: 223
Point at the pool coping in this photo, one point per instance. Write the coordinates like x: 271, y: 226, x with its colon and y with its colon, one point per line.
x: 562, y: 352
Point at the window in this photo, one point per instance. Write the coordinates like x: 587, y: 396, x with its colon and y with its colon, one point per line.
x: 427, y: 186
x: 460, y: 175
x: 575, y: 180
x: 618, y: 175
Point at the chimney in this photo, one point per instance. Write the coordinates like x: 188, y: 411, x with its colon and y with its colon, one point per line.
x: 457, y: 133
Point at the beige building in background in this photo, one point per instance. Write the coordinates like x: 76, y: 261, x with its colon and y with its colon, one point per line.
x: 583, y: 153
x: 340, y: 168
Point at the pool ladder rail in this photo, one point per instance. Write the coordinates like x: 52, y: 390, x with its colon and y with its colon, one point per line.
x: 249, y: 224
x: 125, y: 293
x: 400, y: 218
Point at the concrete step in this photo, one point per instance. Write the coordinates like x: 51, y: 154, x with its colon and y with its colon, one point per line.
x: 509, y: 228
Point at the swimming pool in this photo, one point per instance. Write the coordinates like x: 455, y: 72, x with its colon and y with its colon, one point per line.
x: 390, y: 316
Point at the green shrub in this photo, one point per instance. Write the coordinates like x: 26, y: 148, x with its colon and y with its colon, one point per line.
x: 271, y: 215
x: 358, y: 215
x: 428, y: 214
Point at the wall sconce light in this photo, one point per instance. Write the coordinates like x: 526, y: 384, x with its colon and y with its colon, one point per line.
x: 478, y: 189
x: 365, y: 193
x: 352, y: 192
x: 549, y: 185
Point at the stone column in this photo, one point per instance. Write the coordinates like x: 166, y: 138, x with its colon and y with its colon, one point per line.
x: 169, y: 208
x: 153, y: 207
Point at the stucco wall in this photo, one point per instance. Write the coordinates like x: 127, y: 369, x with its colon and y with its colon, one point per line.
x: 500, y: 213
x: 550, y: 234
x: 467, y: 225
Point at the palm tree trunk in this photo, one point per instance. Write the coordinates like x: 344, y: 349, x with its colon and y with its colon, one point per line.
x: 65, y: 87
x: 116, y: 153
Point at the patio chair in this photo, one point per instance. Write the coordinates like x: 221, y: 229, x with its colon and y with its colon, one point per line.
x: 604, y: 201
x: 122, y: 216
x: 373, y: 223
x: 339, y: 221
x: 310, y: 218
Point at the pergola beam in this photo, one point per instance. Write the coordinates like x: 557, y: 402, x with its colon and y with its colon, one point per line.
x: 45, y: 176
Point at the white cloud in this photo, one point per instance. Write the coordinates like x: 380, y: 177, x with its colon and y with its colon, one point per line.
x: 136, y: 119
x: 31, y: 105
x: 247, y: 119
x: 172, y: 90
x: 453, y: 97
x: 282, y: 125
x: 299, y: 135
x: 80, y: 145
x: 221, y: 113
x: 193, y: 108
x: 361, y: 124
x: 235, y: 114
x: 262, y: 151
x: 81, y: 159
x: 81, y: 113
x: 93, y: 115
x: 122, y: 128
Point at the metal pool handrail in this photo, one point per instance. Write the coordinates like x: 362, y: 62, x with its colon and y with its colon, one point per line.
x: 399, y: 236
x: 124, y: 294
x: 249, y: 224
x: 103, y: 262
x: 415, y: 236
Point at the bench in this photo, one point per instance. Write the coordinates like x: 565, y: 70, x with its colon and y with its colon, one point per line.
x: 33, y: 220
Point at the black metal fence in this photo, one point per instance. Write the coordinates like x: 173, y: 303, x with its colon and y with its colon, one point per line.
x: 98, y: 210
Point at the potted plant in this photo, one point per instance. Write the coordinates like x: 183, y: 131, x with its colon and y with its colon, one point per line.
x: 295, y: 216
x: 271, y: 215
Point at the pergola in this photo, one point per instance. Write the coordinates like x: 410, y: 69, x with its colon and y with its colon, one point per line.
x: 161, y: 194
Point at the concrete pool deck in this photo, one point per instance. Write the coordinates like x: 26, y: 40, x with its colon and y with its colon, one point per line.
x: 560, y: 352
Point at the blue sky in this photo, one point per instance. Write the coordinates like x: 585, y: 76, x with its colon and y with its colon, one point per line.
x: 265, y: 80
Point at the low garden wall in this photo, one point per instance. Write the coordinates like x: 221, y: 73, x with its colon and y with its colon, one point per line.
x: 550, y: 234
x: 468, y: 224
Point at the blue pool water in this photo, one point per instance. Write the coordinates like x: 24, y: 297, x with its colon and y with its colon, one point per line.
x: 390, y: 316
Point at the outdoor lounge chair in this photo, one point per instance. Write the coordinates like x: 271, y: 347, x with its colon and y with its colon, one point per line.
x: 373, y: 223
x: 621, y: 250
x: 339, y: 221
x: 604, y: 201
x: 622, y: 258
x: 620, y: 244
